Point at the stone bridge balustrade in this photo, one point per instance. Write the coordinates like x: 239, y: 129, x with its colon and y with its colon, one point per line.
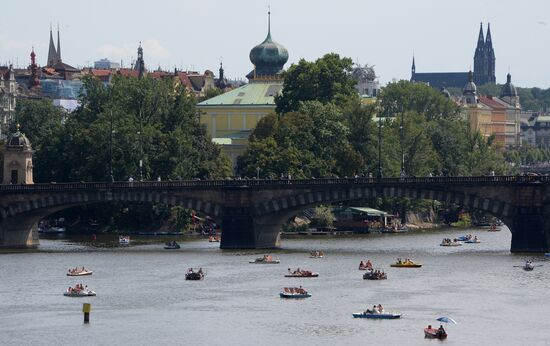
x: 252, y: 211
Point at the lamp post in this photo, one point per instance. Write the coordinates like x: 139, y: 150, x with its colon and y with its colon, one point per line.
x: 379, y: 145
x: 402, y: 134
x: 140, y: 146
x: 258, y: 173
x: 111, y: 132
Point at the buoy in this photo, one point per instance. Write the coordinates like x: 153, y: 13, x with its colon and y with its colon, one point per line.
x: 86, y: 308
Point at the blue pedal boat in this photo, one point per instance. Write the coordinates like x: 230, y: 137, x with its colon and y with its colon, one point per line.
x: 294, y: 292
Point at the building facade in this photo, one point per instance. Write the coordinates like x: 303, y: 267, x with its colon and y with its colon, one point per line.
x: 494, y: 116
x: 8, y: 99
x: 106, y: 64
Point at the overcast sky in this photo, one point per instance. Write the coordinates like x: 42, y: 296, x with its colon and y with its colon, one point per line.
x: 195, y: 34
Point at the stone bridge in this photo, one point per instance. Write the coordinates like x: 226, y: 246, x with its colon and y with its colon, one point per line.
x: 252, y: 211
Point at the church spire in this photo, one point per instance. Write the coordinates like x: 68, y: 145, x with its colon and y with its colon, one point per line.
x: 268, y: 24
x: 480, y: 40
x: 58, y: 45
x: 413, y: 67
x: 140, y: 63
x: 52, y: 53
x: 488, y: 40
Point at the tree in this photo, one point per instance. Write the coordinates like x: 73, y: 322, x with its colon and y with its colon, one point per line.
x: 310, y: 142
x: 323, y: 216
x: 152, y: 121
x: 328, y: 79
x: 42, y: 123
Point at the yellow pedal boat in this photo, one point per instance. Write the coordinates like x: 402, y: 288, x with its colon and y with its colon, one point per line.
x: 408, y: 264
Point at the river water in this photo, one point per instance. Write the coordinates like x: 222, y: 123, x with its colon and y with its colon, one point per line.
x: 143, y: 299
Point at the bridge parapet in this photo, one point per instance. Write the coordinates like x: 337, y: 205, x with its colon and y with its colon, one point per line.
x: 269, y: 183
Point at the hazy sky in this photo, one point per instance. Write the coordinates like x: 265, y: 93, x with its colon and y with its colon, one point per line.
x: 195, y: 34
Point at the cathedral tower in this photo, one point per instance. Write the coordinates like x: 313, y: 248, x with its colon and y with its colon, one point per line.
x: 484, y: 58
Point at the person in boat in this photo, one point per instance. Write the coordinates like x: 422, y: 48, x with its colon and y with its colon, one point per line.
x: 289, y: 271
x: 362, y: 264
x: 380, y: 308
x: 375, y: 309
x: 369, y: 264
x: 399, y: 261
x: 441, y: 330
x: 200, y: 270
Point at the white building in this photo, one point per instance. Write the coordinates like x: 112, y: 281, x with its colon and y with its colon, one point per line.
x: 106, y: 64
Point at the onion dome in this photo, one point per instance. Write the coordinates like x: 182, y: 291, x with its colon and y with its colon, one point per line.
x: 509, y: 89
x: 470, y: 87
x: 269, y: 56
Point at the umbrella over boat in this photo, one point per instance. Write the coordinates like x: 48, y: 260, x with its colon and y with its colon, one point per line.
x: 446, y: 319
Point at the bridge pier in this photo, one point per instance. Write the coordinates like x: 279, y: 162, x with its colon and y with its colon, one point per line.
x: 530, y: 232
x: 19, y: 233
x: 241, y: 230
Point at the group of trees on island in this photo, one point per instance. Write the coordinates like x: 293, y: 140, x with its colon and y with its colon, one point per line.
x: 149, y: 129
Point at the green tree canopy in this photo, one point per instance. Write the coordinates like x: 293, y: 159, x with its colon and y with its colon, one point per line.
x: 141, y: 119
x: 328, y: 79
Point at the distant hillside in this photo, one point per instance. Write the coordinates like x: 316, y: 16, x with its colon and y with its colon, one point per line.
x: 531, y: 99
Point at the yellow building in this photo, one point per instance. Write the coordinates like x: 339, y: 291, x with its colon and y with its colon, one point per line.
x: 231, y: 117
x: 478, y: 114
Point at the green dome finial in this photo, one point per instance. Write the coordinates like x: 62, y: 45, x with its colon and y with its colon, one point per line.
x: 268, y: 23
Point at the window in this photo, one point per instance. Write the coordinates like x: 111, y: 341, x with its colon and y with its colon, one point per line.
x: 14, y: 176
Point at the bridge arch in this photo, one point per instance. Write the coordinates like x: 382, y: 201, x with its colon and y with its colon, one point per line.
x: 306, y: 199
x: 62, y: 201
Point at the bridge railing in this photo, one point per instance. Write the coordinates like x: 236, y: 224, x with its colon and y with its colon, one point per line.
x: 266, y: 183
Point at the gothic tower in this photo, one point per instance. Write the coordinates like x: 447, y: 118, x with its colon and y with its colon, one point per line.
x: 54, y: 55
x: 491, y: 78
x: 484, y: 58
x: 52, y: 52
x: 58, y: 45
x: 479, y: 58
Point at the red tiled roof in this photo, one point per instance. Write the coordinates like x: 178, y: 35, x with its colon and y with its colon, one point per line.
x: 490, y: 102
x: 101, y: 73
x: 184, y: 79
x: 127, y: 72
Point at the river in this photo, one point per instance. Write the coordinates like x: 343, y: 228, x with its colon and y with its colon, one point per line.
x: 143, y: 299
